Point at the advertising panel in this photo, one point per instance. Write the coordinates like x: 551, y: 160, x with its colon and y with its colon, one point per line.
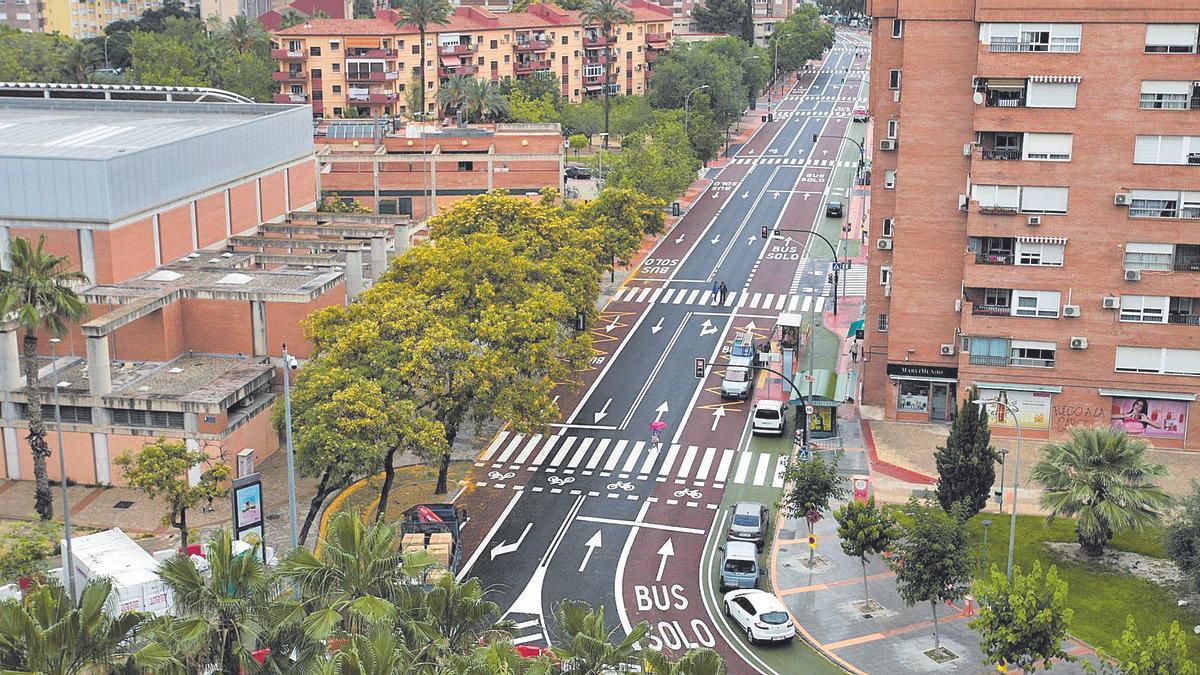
x: 1150, y: 417
x: 1033, y: 408
x: 248, y: 512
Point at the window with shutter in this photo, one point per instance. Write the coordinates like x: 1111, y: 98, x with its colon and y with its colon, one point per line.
x: 1171, y: 38
x: 1146, y: 256
x: 1047, y: 147
x: 1043, y: 199
x: 1165, y: 95
x: 1051, y: 95
x: 1139, y: 359
x: 1144, y: 308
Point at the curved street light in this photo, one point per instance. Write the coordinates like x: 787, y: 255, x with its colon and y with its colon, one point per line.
x: 686, y: 101
x: 1012, y: 526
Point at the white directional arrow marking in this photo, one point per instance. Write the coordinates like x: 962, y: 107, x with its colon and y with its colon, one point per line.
x: 609, y: 328
x: 505, y: 547
x: 716, y: 239
x: 745, y: 194
x: 707, y: 328
x: 750, y: 241
x: 665, y: 551
x: 679, y: 239
x: 592, y: 544
x: 751, y: 326
x: 656, y: 327
x: 806, y: 196
x: 824, y: 152
x: 660, y: 410
x: 774, y: 195
x: 603, y: 411
x: 717, y: 415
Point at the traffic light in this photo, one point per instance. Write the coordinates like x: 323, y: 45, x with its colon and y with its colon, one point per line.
x: 764, y: 231
x: 812, y: 541
x: 699, y: 369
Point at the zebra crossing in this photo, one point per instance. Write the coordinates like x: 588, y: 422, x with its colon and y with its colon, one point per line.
x: 806, y: 97
x: 794, y: 161
x: 837, y: 112
x: 781, y: 302
x: 683, y: 465
x: 854, y: 282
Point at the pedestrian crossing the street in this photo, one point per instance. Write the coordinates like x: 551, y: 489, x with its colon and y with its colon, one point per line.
x: 565, y: 457
x: 781, y: 302
x: 793, y: 161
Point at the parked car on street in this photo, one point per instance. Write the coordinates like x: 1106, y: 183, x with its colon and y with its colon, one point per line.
x: 761, y: 615
x: 833, y: 210
x: 739, y: 565
x: 767, y: 418
x: 749, y: 523
x: 578, y: 172
x: 861, y: 114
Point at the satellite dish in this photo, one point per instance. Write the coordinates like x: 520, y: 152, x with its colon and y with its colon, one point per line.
x: 978, y: 98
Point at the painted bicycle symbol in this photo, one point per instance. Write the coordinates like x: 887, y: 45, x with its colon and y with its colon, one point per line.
x: 694, y: 494
x: 621, y: 485
x: 558, y: 480
x: 496, y: 475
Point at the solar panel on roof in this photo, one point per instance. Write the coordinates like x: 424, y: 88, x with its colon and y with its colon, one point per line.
x: 350, y: 130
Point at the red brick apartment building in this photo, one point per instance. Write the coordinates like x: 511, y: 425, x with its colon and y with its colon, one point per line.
x: 190, y: 221
x: 1035, y: 214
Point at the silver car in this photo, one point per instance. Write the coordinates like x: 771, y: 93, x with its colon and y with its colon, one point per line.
x: 749, y: 523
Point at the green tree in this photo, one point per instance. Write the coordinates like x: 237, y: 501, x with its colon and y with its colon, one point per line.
x: 755, y: 72
x: 80, y: 63
x: 364, y: 9
x: 606, y: 16
x: 629, y: 113
x: 452, y: 95
x: 459, y: 614
x: 1164, y: 653
x: 577, y: 142
x: 25, y: 547
x: 160, y: 469
x: 43, y: 632
x: 248, y: 74
x: 813, y: 486
x: 723, y: 16
x: 864, y: 529
x: 34, y: 57
x: 244, y: 34
x: 332, y: 203
x: 521, y: 108
x: 966, y: 464
x: 1100, y: 477
x: 540, y: 84
x: 376, y: 651
x: 585, y: 118
x: 622, y: 218
x: 160, y: 60
x: 290, y: 17
x: 483, y: 100
x: 1023, y: 624
x: 930, y: 559
x: 1183, y: 535
x: 656, y: 161
x: 800, y: 37
x: 586, y: 644
x: 422, y: 13
x: 695, y: 661
x: 687, y: 67
x: 39, y: 289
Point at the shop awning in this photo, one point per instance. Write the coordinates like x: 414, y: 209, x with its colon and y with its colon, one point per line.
x: 1005, y: 82
x: 829, y: 388
x: 1062, y: 241
x: 1059, y: 79
x: 451, y: 61
x: 1015, y: 386
x: 854, y: 326
x: 1160, y: 395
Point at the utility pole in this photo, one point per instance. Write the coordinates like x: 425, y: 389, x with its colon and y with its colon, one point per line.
x: 291, y: 454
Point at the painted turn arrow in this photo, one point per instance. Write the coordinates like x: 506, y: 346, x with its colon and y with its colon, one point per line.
x: 592, y: 544
x: 717, y: 415
x: 505, y: 547
x: 658, y: 326
x: 609, y: 328
x: 660, y: 410
x: 750, y: 241
x: 707, y: 328
x: 679, y: 239
x: 603, y: 411
x: 665, y: 551
x: 716, y: 239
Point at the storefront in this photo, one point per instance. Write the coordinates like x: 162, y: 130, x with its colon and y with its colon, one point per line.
x: 923, y: 393
x: 1029, y: 405
x: 1159, y: 417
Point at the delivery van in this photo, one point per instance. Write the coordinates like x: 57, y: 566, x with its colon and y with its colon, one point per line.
x: 738, y: 380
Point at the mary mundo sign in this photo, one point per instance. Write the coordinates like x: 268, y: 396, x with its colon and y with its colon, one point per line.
x: 917, y: 370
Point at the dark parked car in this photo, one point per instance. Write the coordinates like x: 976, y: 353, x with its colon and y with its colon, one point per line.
x: 833, y: 210
x: 579, y: 172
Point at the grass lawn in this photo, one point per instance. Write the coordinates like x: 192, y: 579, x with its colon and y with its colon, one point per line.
x: 411, y: 485
x: 1100, y: 597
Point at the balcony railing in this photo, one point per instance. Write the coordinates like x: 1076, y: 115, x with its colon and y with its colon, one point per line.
x: 378, y: 53
x: 597, y: 60
x: 991, y: 310
x: 290, y: 98
x: 1186, y: 264
x: 1001, y: 153
x: 994, y: 258
x: 1031, y: 363
x: 285, y: 76
x: 462, y: 69
x: 287, y: 54
x: 1184, y: 319
x: 987, y: 360
x: 997, y: 210
x: 532, y: 45
x: 456, y: 50
x: 598, y: 41
x: 373, y: 98
x: 1009, y: 46
x: 372, y: 76
x: 996, y: 101
x: 531, y: 66
x: 657, y: 38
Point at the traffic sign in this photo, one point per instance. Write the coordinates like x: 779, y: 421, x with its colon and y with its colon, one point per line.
x: 841, y: 266
x: 808, y: 410
x: 812, y: 541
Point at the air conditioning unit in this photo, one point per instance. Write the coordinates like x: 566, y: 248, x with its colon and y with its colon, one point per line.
x: 946, y: 350
x: 1078, y: 343
x: 1121, y: 199
x: 887, y: 291
x: 958, y: 304
x: 1112, y: 302
x: 896, y: 96
x: 887, y: 144
x: 1133, y: 275
x: 1071, y: 310
x: 884, y: 244
x: 966, y: 149
x: 962, y: 202
x: 1034, y: 220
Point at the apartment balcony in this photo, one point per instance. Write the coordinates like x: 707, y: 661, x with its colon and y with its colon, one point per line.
x: 460, y: 49
x: 531, y: 45
x: 461, y: 69
x: 288, y: 55
x: 651, y: 55
x: 595, y: 42
x: 658, y: 39
x: 373, y: 76
x: 597, y: 60
x: 525, y: 67
x: 1000, y: 153
x: 290, y: 98
x: 998, y: 210
x: 1184, y: 319
x: 995, y: 259
x: 1186, y: 263
x: 991, y: 310
x: 379, y: 53
x: 373, y: 99
x: 289, y: 76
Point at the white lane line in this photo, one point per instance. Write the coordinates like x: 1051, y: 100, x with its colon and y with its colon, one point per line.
x: 562, y: 452
x: 692, y: 296
x: 599, y: 453
x: 619, y: 296
x: 792, y: 304
x: 666, y: 465
x: 732, y: 297
x: 755, y: 300
x: 657, y: 292
x: 723, y: 469
x: 767, y: 300
x: 820, y: 305
x: 615, y: 456
x: 706, y: 463
x: 496, y: 443
x: 667, y: 296
x: 741, y: 301
x: 528, y: 450
x: 551, y: 441
x: 578, y: 456
x: 649, y: 464
x: 779, y: 303
x: 633, y: 457
x: 525, y: 624
x: 743, y: 467
x: 679, y: 296
x: 532, y: 637
x: 760, y: 473
x: 511, y: 447
x: 642, y: 296
x: 704, y: 299
x: 685, y: 467
x: 807, y: 303
x: 780, y: 466
x: 651, y: 526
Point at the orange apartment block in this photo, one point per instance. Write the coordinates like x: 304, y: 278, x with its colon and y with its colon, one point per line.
x: 418, y: 169
x: 152, y: 200
x: 1033, y: 213
x: 368, y: 64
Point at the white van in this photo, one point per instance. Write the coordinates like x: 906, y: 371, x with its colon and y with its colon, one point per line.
x: 738, y: 380
x: 767, y: 417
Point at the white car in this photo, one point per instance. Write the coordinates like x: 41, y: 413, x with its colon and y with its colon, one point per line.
x: 761, y: 615
x: 767, y: 417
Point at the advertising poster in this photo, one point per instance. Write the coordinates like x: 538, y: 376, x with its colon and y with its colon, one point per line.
x: 248, y: 511
x: 1033, y: 408
x: 1150, y: 417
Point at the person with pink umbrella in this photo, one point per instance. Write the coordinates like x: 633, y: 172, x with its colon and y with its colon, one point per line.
x: 655, y: 427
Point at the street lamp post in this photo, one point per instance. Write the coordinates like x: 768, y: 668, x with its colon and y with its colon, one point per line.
x: 69, y: 561
x: 106, y: 66
x: 288, y: 362
x: 1012, y: 527
x: 752, y: 57
x: 600, y: 169
x: 984, y: 549
x: 774, y: 75
x: 686, y: 102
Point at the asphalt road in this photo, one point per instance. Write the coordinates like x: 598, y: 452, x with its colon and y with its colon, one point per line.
x: 590, y: 510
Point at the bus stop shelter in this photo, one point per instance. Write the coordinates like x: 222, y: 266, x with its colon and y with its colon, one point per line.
x: 830, y: 389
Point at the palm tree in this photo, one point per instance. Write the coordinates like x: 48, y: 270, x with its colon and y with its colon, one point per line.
x: 359, y: 578
x: 376, y: 652
x: 79, y: 62
x: 696, y: 661
x: 289, y: 18
x: 606, y: 14
x: 39, y: 290
x: 43, y: 632
x: 421, y: 13
x: 221, y: 619
x: 452, y: 93
x: 244, y: 34
x: 460, y: 613
x: 1100, y: 476
x: 484, y: 100
x: 588, y: 645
